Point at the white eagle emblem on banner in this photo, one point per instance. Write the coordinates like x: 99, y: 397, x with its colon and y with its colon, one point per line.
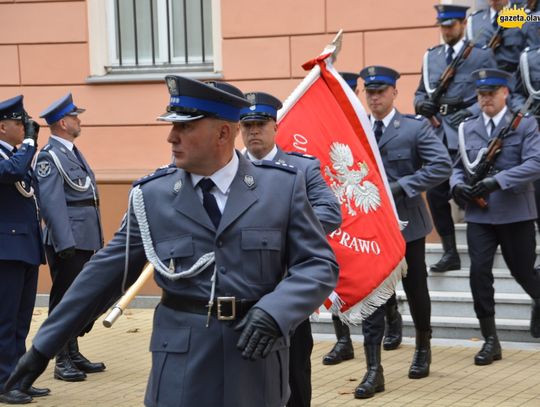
x: 347, y: 182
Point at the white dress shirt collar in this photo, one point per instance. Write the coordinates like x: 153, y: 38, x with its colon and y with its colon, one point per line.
x: 386, y: 120
x: 223, y: 177
x: 496, y: 119
x: 8, y: 146
x: 270, y: 156
x: 68, y: 144
x: 457, y: 47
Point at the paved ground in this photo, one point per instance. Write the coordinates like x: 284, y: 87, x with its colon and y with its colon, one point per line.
x: 454, y: 380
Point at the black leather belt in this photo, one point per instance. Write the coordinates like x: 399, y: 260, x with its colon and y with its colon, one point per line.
x: 224, y: 308
x: 446, y: 109
x: 84, y: 202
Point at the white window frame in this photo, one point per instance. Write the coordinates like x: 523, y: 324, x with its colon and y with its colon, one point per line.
x: 102, y: 47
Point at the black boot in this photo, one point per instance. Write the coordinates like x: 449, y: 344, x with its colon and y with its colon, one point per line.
x: 422, y: 356
x: 80, y: 361
x: 535, y: 318
x: 491, y: 349
x: 343, y: 349
x: 394, y: 327
x: 373, y: 381
x: 65, y: 369
x: 450, y: 258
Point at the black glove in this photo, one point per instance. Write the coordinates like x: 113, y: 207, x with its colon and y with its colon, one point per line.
x: 397, y: 191
x: 426, y: 108
x: 29, y: 367
x: 485, y: 187
x: 458, y: 117
x: 259, y: 332
x: 462, y: 193
x: 31, y: 129
x: 67, y: 253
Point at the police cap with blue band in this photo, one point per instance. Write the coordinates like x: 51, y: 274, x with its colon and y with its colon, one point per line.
x: 61, y: 108
x: 263, y: 107
x: 379, y: 77
x: 12, y: 109
x: 447, y: 14
x: 192, y: 100
x: 490, y: 79
x: 351, y: 78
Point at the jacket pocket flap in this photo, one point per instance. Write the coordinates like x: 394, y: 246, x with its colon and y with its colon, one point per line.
x: 170, y: 340
x: 178, y: 247
x: 403, y: 154
x: 261, y: 239
x: 13, y: 228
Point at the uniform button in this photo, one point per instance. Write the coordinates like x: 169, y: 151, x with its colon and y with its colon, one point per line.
x: 220, y: 243
x: 13, y: 230
x: 223, y: 270
x: 265, y: 242
x: 172, y: 251
x: 165, y: 344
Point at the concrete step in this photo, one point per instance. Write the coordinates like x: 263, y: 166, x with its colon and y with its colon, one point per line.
x: 461, y: 233
x: 458, y: 280
x: 512, y: 330
x: 460, y: 304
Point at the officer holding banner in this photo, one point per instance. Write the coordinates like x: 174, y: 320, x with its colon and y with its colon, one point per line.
x: 415, y: 160
x: 506, y: 218
x: 70, y: 208
x: 258, y: 127
x: 240, y: 268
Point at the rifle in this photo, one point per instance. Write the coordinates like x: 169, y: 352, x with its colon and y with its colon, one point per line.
x: 496, y: 38
x: 495, y: 145
x: 447, y: 76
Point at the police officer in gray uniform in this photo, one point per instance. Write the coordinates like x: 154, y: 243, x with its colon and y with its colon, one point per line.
x: 415, y: 160
x: 21, y: 250
x: 258, y: 127
x: 528, y: 83
x: 508, y: 219
x: 457, y: 103
x: 482, y: 26
x: 70, y: 208
x: 239, y: 265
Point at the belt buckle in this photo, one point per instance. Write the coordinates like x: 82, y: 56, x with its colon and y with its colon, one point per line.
x: 443, y: 109
x: 224, y: 300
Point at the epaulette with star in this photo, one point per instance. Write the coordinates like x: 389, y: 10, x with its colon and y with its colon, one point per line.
x: 277, y: 164
x: 297, y: 154
x: 160, y: 172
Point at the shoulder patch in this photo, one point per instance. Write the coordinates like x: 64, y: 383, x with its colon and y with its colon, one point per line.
x: 160, y: 172
x: 47, y: 146
x: 43, y: 168
x: 297, y: 154
x: 277, y: 164
x: 470, y: 118
x: 477, y: 12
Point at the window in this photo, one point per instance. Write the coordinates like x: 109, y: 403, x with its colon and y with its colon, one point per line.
x: 153, y: 37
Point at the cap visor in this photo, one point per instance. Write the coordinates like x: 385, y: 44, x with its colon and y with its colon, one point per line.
x: 76, y: 112
x: 175, y: 117
x: 377, y: 86
x: 448, y: 22
x: 255, y: 118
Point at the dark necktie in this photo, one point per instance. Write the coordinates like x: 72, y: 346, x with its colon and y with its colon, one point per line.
x: 491, y: 127
x: 378, y: 130
x: 78, y: 155
x: 449, y: 55
x: 494, y: 22
x: 14, y: 150
x: 209, y: 201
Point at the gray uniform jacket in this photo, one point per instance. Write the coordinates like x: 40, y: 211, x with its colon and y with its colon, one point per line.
x: 528, y: 81
x: 416, y: 158
x: 67, y: 225
x: 532, y: 32
x: 320, y: 196
x: 269, y: 247
x: 480, y: 29
x: 461, y: 89
x: 517, y: 166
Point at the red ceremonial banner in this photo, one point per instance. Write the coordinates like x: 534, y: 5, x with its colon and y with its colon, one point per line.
x: 323, y: 118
